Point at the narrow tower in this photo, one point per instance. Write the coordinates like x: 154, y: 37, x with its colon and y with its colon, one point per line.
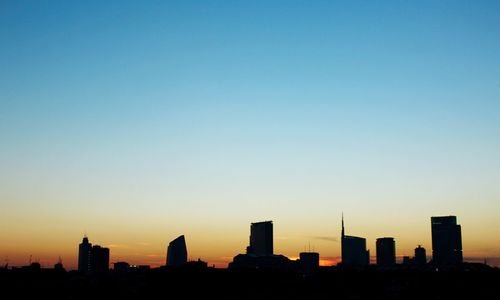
x: 342, y: 239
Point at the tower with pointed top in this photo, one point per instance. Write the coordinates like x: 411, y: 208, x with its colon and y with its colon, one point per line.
x: 342, y: 238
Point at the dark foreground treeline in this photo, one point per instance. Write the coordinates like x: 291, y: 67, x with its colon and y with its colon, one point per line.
x: 471, y: 282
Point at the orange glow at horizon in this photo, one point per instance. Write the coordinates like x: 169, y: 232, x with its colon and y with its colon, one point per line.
x: 145, y: 241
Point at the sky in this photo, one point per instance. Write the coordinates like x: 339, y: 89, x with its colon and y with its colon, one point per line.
x: 137, y: 121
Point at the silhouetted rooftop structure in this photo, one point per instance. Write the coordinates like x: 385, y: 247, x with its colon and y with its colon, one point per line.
x: 266, y: 282
x: 196, y: 264
x: 251, y: 261
x: 308, y: 261
x: 420, y: 256
x: 59, y: 265
x: 121, y: 266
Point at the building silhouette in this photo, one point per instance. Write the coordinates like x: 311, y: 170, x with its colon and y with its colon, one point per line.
x: 177, y: 252
x: 386, y: 252
x: 84, y: 255
x: 92, y: 258
x: 308, y: 261
x: 420, y: 256
x: 261, y: 239
x: 446, y: 240
x: 59, y: 265
x: 99, y: 259
x: 353, y: 250
x: 260, y: 251
x: 121, y: 266
x: 251, y: 261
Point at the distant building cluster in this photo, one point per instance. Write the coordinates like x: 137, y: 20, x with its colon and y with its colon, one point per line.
x: 446, y: 247
x: 446, y: 251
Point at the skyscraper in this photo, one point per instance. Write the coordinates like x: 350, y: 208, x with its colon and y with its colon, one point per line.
x: 353, y: 250
x: 84, y: 255
x: 446, y: 241
x: 177, y: 252
x: 99, y: 259
x: 386, y: 252
x: 261, y: 239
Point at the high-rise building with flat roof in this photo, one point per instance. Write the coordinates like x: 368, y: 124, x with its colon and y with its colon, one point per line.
x: 446, y: 240
x: 386, y: 252
x: 261, y: 239
x: 99, y: 259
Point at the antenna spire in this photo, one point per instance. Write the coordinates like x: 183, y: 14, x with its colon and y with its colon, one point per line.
x: 342, y: 225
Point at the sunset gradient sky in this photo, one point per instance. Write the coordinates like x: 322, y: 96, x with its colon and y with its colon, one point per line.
x: 138, y: 121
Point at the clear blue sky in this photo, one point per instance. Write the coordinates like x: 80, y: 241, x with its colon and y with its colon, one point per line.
x: 237, y: 111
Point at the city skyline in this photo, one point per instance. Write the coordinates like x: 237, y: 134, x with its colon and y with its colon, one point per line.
x: 137, y: 123
x: 444, y: 247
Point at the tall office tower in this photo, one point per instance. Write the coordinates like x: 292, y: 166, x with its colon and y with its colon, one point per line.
x: 177, y: 252
x: 261, y: 239
x: 99, y: 259
x: 386, y: 252
x: 84, y: 255
x: 420, y: 256
x: 353, y: 250
x: 446, y: 241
